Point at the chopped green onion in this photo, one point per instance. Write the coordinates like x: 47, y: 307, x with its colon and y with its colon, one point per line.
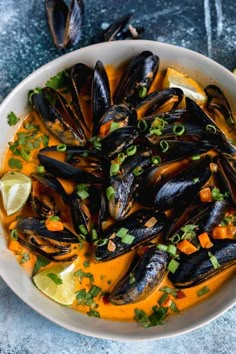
x: 142, y: 125
x: 121, y: 157
x: 127, y: 239
x: 131, y: 150
x: 175, y: 238
x: 172, y: 250
x: 110, y: 192
x: 61, y: 147
x: 40, y: 169
x: 132, y: 279
x: 14, y: 234
x: 164, y: 145
x: 12, y: 119
x: 94, y: 235
x: 122, y: 232
x: 83, y: 194
x: 216, y: 195
x: 173, y: 265
x: 156, y: 160
x: 197, y: 179
x: 93, y: 313
x: 214, y: 261
x: 142, y: 92
x: 137, y: 171
x: 211, y: 128
x: 168, y: 290
x: 162, y: 247
x: 163, y: 298
x: 81, y: 187
x: 86, y: 264
x: 54, y: 218
x: 158, y: 123
x: 83, y: 229
x: 24, y: 154
x: 114, y: 169
x: 100, y: 243
x: 96, y: 141
x: 114, y: 126
x: 155, y: 131
x: 178, y: 129
x: 196, y: 157
x: 203, y: 291
x: 15, y: 163
x: 55, y: 278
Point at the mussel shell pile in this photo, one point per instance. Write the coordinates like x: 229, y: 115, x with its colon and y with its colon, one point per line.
x: 138, y: 159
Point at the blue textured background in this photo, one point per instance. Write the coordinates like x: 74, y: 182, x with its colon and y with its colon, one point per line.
x: 207, y: 26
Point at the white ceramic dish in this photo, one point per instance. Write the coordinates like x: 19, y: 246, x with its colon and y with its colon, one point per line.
x: 205, y: 71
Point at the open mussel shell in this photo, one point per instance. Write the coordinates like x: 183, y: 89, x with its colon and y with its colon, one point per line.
x: 197, y: 267
x: 80, y: 164
x: 227, y: 177
x: 141, y: 279
x: 64, y: 22
x: 47, y: 195
x: 138, y: 76
x: 101, y: 95
x: 184, y: 185
x: 121, y: 115
x: 213, y: 134
x: 126, y: 183
x: 58, y: 117
x: 218, y: 106
x: 118, y: 140
x: 139, y: 232
x: 31, y: 226
x: 160, y: 101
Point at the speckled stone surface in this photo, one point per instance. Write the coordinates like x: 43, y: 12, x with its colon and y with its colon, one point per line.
x: 207, y: 26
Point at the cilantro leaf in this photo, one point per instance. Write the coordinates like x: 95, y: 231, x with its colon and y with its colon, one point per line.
x: 24, y: 258
x: 58, y: 81
x: 15, y: 163
x: 12, y: 119
x: 55, y: 278
x: 81, y: 274
x: 41, y: 262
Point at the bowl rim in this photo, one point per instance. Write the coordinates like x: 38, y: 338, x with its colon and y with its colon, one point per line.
x: 221, y: 309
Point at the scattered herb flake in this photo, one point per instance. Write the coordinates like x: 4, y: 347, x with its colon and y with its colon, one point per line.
x: 203, y: 291
x: 40, y: 262
x: 15, y: 163
x: 12, y: 119
x: 55, y: 278
x: 24, y: 258
x: 81, y: 274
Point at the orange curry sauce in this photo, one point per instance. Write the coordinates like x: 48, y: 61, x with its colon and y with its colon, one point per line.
x: 106, y: 274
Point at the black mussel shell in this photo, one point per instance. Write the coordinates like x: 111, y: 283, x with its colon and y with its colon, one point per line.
x: 64, y: 22
x: 197, y: 267
x: 227, y: 177
x: 137, y: 234
x: 147, y: 272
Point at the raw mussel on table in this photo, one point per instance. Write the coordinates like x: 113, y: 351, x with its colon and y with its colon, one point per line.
x: 135, y: 186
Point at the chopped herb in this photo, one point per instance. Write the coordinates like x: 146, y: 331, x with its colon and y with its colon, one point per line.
x: 110, y: 192
x: 24, y: 258
x: 173, y: 307
x: 15, y: 163
x: 55, y: 278
x: 156, y: 160
x: 173, y: 265
x: 80, y: 295
x: 93, y: 313
x: 155, y: 131
x: 24, y: 154
x: 86, y: 264
x: 132, y: 279
x: 137, y: 171
x: 32, y: 92
x: 178, y: 129
x: 40, y: 169
x: 211, y: 128
x: 114, y: 126
x: 109, y: 282
x: 83, y: 230
x: 196, y: 157
x: 54, y: 218
x: 142, y: 125
x: 168, y: 290
x: 164, y: 145
x: 94, y: 290
x: 61, y: 147
x: 172, y: 250
x: 94, y: 235
x: 12, y: 119
x: 81, y: 274
x: 58, y: 81
x: 114, y: 169
x: 101, y: 243
x: 142, y: 92
x: 156, y: 318
x: 131, y: 150
x: 121, y: 158
x: 96, y: 141
x: 14, y: 234
x: 214, y: 261
x: 122, y: 232
x: 83, y: 194
x: 162, y: 247
x: 40, y: 262
x: 142, y: 318
x: 127, y: 239
x: 163, y: 299
x: 197, y: 179
x: 175, y: 238
x: 203, y: 291
x: 216, y: 195
x: 45, y: 140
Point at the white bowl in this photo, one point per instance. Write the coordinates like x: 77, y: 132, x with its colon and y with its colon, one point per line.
x: 206, y: 72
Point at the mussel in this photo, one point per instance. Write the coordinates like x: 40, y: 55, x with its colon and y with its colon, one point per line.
x: 141, y: 279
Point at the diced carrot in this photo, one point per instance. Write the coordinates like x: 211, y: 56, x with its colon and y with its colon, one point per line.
x: 104, y: 130
x: 13, y: 225
x: 205, y: 195
x: 54, y: 225
x: 205, y: 240
x: 186, y: 247
x: 221, y: 232
x: 14, y: 246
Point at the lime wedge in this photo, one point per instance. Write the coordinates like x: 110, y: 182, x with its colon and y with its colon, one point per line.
x: 190, y: 87
x: 15, y: 188
x: 57, y: 282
